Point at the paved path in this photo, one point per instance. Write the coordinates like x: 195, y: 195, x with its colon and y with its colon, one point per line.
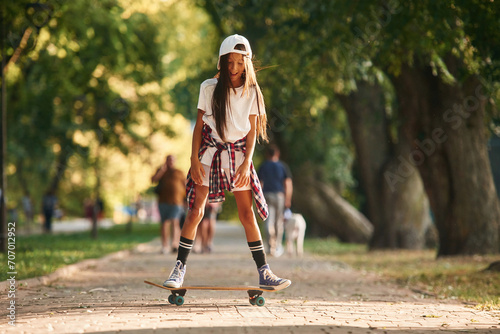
x: 325, y: 297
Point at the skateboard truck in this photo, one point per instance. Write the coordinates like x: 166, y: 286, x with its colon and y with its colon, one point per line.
x: 177, y: 297
x: 255, y: 297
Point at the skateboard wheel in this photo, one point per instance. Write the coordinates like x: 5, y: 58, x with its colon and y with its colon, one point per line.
x: 252, y: 301
x: 260, y: 301
x: 171, y: 299
x: 179, y: 300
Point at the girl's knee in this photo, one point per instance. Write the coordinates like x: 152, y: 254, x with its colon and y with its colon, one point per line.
x: 196, y: 214
x: 246, y: 216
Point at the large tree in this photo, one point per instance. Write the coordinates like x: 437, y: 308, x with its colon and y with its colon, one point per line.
x: 438, y: 61
x: 437, y: 56
x: 400, y: 215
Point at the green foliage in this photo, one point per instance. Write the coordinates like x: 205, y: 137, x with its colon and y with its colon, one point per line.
x: 39, y: 255
x: 192, y: 57
x: 85, y: 81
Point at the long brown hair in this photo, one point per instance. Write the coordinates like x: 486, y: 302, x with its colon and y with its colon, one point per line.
x: 220, y: 98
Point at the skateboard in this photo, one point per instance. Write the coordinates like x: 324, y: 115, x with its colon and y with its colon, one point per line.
x: 177, y: 294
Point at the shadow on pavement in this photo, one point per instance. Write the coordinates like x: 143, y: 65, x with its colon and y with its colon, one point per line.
x: 299, y: 329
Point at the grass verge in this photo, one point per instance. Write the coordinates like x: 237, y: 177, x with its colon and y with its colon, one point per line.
x: 38, y: 255
x: 461, y: 277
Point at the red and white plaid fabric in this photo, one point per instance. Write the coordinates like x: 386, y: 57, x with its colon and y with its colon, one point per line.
x: 217, y: 181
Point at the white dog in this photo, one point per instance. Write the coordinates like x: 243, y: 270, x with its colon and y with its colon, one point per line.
x: 295, y: 230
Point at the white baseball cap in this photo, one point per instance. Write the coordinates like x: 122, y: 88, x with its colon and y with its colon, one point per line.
x: 230, y: 42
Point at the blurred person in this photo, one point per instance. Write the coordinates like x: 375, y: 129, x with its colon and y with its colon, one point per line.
x: 93, y: 208
x: 49, y: 203
x: 99, y: 207
x: 171, y: 193
x: 29, y: 213
x: 88, y: 208
x: 206, y: 229
x: 139, y: 210
x: 277, y: 186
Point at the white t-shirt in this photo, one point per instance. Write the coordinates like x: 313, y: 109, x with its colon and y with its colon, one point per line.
x: 238, y: 122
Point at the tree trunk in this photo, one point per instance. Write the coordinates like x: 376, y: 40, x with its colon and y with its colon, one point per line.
x: 322, y: 204
x: 94, y: 233
x: 449, y: 149
x: 400, y: 215
x: 406, y: 205
x: 21, y: 176
x: 61, y: 165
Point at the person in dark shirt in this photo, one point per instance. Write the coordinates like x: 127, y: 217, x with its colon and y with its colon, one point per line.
x: 49, y: 203
x: 276, y: 180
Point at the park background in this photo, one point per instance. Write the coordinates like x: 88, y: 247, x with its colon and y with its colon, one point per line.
x: 385, y: 111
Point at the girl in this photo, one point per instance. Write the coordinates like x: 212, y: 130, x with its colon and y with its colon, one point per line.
x: 231, y: 115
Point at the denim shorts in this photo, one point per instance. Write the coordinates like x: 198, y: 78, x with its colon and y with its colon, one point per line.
x: 170, y: 211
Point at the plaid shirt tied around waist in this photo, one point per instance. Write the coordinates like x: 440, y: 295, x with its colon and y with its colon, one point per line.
x: 217, y: 181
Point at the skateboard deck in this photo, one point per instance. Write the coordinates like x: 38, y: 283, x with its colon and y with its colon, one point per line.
x: 177, y: 294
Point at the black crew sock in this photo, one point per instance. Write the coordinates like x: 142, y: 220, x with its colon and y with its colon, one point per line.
x: 185, y: 246
x: 258, y: 254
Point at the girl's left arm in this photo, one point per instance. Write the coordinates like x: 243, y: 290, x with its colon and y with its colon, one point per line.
x: 243, y: 173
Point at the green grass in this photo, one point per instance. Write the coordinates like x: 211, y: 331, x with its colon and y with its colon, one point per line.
x: 38, y: 255
x: 461, y: 277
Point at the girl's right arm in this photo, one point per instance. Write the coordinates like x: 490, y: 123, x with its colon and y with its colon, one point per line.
x: 197, y: 171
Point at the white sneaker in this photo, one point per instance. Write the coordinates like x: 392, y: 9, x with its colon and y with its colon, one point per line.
x: 176, y: 276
